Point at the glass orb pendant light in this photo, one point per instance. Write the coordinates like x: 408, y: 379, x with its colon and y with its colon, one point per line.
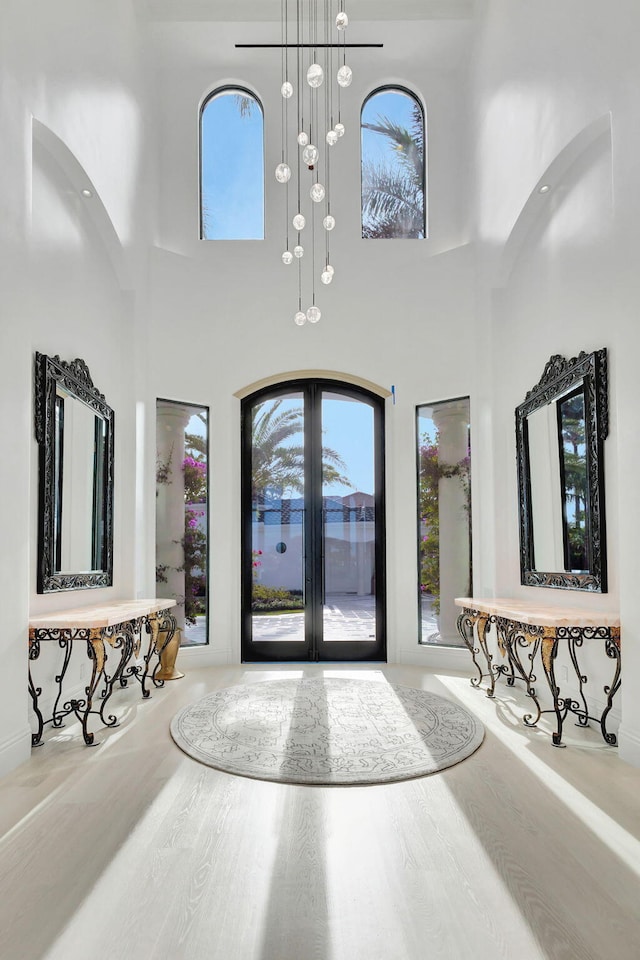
x: 310, y: 155
x: 345, y: 76
x: 315, y: 75
x: 283, y: 173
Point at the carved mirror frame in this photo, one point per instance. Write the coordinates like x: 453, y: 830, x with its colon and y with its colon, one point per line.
x: 75, y: 379
x: 559, y: 376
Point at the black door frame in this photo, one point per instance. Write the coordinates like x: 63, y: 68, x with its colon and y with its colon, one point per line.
x: 314, y: 648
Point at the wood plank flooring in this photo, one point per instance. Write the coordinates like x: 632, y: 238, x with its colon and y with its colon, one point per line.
x: 133, y: 850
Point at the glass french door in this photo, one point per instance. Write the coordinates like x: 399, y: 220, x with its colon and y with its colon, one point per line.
x: 313, y: 523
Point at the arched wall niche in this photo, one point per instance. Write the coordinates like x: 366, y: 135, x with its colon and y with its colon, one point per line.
x: 95, y: 211
x: 580, y: 152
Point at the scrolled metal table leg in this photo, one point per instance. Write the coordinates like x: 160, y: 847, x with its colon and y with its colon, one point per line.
x: 482, y: 628
x: 465, y: 622
x: 65, y: 642
x: 34, y: 653
x: 549, y: 651
x: 575, y: 638
x: 96, y: 653
x: 612, y: 648
x: 119, y: 638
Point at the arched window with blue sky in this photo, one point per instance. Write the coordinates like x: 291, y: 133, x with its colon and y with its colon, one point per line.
x: 231, y: 166
x: 393, y: 165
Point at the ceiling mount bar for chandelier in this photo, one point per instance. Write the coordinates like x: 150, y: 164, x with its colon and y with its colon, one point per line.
x: 306, y: 46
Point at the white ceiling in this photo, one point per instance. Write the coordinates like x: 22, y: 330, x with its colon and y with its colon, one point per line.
x: 239, y: 11
x: 440, y: 34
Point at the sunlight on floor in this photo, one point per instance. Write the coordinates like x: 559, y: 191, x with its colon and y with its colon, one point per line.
x: 619, y: 840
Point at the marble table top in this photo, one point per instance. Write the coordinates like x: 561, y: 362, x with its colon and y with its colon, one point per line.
x: 541, y: 614
x: 98, y: 615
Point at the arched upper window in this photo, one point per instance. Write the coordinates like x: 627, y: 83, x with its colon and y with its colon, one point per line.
x: 231, y: 166
x: 393, y: 169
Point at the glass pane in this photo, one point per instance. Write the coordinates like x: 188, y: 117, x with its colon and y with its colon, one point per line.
x: 79, y: 484
x: 182, y: 466
x: 348, y: 523
x: 444, y: 517
x: 393, y: 180
x: 232, y: 186
x: 575, y: 485
x: 277, y: 527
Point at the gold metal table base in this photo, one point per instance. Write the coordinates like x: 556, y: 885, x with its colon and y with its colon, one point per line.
x: 125, y: 638
x: 523, y: 641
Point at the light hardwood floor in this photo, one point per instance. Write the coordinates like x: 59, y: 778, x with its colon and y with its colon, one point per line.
x: 133, y: 850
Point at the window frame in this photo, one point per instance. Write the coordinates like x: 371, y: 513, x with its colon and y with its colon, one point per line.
x: 242, y: 91
x: 407, y: 91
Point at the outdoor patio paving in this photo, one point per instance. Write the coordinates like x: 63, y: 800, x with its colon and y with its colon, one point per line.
x: 346, y: 618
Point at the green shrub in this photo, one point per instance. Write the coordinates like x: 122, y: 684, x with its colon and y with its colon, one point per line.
x: 267, y: 599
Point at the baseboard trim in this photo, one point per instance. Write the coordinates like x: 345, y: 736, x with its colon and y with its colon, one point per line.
x: 629, y: 746
x: 203, y: 656
x: 436, y: 657
x: 14, y: 750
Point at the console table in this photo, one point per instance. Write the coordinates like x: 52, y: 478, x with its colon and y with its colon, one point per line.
x: 105, y: 628
x: 524, y: 627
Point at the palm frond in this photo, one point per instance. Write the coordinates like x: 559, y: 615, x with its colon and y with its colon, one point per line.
x: 392, y: 204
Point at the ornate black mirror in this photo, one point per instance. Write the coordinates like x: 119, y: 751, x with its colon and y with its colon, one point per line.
x: 560, y: 431
x: 74, y: 430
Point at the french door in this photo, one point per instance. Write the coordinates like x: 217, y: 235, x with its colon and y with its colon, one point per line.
x: 313, y: 523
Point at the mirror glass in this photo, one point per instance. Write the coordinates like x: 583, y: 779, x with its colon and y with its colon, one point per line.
x: 80, y: 473
x: 74, y: 428
x: 560, y: 429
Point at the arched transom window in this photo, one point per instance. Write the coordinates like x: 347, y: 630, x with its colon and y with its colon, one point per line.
x: 231, y: 166
x: 393, y: 168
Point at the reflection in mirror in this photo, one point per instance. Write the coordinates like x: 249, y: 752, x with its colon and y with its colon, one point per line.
x: 79, y: 485
x: 573, y: 480
x: 560, y: 430
x: 74, y: 428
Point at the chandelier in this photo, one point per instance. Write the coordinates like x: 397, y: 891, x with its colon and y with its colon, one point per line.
x: 314, y: 74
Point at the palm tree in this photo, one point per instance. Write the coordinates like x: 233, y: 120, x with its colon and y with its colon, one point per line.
x: 277, y: 462
x: 393, y: 194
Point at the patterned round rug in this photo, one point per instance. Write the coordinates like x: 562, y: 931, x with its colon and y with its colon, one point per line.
x: 326, y: 731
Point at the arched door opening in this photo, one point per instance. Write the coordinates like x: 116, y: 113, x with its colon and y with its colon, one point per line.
x: 313, y: 576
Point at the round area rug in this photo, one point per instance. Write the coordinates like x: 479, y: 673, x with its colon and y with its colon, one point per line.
x: 326, y: 731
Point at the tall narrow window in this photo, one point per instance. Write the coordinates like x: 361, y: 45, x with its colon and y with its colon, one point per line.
x: 444, y: 517
x: 393, y: 167
x: 182, y: 547
x: 231, y: 166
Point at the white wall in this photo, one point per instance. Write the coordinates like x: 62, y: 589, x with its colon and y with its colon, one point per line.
x: 555, y: 274
x: 70, y: 115
x: 555, y: 269
x: 396, y: 313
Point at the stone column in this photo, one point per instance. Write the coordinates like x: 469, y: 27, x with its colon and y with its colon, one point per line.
x: 452, y: 422
x: 170, y: 426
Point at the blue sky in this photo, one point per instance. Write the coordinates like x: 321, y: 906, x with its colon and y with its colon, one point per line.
x: 232, y: 170
x: 233, y: 160
x: 398, y: 108
x: 348, y: 429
